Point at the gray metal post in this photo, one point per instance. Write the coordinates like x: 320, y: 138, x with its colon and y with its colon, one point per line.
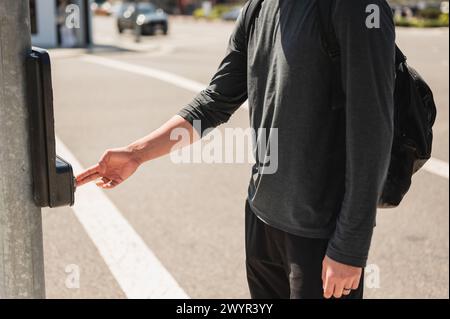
x: 137, y: 28
x: 21, y: 251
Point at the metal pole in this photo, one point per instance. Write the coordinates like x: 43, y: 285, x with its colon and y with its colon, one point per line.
x: 87, y: 23
x: 21, y: 249
x: 137, y: 27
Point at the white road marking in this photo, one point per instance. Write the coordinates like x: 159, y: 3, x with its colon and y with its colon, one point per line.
x: 437, y: 167
x: 433, y: 166
x: 137, y: 270
x: 168, y: 77
x: 160, y: 75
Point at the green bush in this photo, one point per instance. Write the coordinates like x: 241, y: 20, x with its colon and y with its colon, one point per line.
x: 444, y: 19
x: 429, y: 13
x: 403, y: 22
x: 440, y: 21
x: 216, y: 12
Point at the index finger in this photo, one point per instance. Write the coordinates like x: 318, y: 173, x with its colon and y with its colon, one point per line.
x: 88, y: 175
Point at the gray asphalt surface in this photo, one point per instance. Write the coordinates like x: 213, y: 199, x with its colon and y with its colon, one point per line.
x: 191, y: 215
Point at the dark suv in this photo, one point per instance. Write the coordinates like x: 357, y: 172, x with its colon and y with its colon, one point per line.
x: 148, y: 17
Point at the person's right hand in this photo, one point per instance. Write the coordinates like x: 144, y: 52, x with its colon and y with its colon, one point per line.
x: 114, y: 167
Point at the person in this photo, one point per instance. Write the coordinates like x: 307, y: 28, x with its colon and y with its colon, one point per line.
x: 309, y: 224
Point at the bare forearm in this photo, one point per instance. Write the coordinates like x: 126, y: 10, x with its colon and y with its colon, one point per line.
x: 160, y: 143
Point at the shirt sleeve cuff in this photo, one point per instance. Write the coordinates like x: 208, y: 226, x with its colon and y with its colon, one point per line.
x: 188, y: 116
x: 345, y: 259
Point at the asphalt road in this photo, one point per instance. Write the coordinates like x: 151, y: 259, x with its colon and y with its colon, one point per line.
x: 191, y: 215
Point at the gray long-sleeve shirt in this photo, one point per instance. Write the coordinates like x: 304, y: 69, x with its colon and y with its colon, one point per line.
x: 331, y: 163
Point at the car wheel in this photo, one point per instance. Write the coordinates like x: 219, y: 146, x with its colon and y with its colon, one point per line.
x: 119, y: 28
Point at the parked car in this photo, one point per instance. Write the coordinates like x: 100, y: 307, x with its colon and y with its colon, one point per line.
x: 103, y: 9
x: 148, y: 17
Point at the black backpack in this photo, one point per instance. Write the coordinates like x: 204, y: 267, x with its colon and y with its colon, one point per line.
x: 414, y: 114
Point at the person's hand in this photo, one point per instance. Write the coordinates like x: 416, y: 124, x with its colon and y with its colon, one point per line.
x: 114, y: 167
x: 339, y: 279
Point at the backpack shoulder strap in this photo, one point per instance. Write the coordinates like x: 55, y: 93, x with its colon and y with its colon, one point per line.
x: 332, y: 48
x: 251, y: 10
x: 329, y: 38
x: 400, y: 58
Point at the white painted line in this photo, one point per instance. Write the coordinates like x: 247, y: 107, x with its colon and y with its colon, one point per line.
x: 171, y: 78
x: 434, y: 166
x: 160, y: 75
x: 137, y: 270
x: 437, y: 167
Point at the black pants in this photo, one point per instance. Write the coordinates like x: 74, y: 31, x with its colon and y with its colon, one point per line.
x: 282, y: 265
